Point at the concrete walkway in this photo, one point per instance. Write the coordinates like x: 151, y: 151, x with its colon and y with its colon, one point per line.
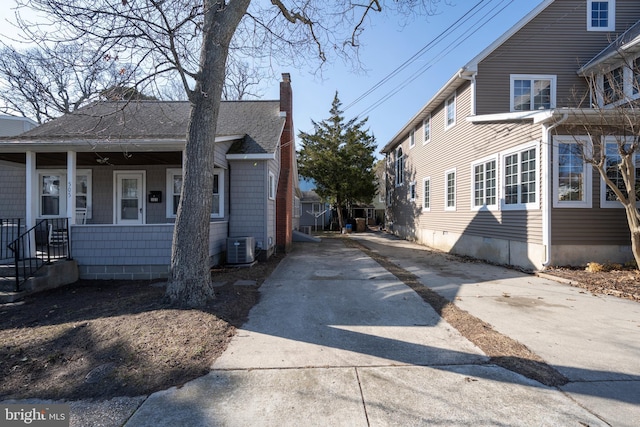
x: 336, y: 340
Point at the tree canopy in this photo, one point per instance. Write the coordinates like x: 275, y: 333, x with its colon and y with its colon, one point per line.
x: 339, y: 157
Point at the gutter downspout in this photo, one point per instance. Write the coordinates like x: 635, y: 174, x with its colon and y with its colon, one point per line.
x: 470, y: 76
x: 547, y: 143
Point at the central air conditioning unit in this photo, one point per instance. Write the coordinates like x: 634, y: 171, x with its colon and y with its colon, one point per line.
x: 240, y: 250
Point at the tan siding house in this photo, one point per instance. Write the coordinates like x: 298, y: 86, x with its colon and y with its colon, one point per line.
x: 476, y: 170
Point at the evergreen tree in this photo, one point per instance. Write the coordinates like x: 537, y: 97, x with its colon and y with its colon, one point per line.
x: 339, y: 157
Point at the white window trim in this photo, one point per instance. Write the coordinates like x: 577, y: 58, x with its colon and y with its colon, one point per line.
x: 609, y: 204
x: 446, y: 189
x: 496, y: 205
x: 413, y: 191
x: 63, y: 196
x: 452, y: 99
x: 612, y: 17
x: 426, y: 199
x: 169, y: 191
x: 412, y: 138
x: 272, y: 186
x: 586, y: 173
x: 519, y: 206
x: 399, y: 175
x: 426, y: 123
x: 514, y: 77
x: 627, y: 84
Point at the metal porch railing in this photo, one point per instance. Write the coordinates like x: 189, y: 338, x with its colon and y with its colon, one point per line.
x: 42, y: 244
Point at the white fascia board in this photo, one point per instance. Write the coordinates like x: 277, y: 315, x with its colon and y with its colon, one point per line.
x: 445, y: 91
x: 261, y: 156
x: 505, y: 117
x: 470, y: 68
x: 83, y: 145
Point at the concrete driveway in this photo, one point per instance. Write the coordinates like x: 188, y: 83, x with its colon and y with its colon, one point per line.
x: 337, y: 340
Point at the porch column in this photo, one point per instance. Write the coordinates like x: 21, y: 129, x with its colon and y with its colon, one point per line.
x: 71, y: 186
x: 32, y: 194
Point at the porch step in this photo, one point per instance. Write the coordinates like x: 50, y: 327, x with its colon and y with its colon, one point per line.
x: 52, y: 276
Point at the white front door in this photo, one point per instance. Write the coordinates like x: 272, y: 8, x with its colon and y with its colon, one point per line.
x: 129, y: 201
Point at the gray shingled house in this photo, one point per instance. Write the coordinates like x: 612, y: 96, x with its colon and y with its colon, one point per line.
x: 121, y: 161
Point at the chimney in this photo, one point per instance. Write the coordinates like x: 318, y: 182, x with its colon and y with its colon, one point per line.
x: 284, y: 198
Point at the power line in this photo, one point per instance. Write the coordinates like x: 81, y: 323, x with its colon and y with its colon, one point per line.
x: 443, y: 53
x: 470, y: 14
x: 416, y: 55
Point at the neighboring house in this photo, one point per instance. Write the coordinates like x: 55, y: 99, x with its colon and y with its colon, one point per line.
x: 488, y: 168
x: 122, y: 161
x: 11, y: 174
x: 316, y: 213
x: 12, y: 125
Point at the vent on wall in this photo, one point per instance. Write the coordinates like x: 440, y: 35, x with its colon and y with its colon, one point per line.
x: 240, y: 250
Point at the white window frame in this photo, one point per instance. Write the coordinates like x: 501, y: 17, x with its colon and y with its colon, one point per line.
x: 272, y: 186
x: 62, y: 195
x: 447, y: 207
x: 611, y: 16
x: 503, y: 175
x: 426, y: 194
x: 615, y: 204
x: 630, y: 83
x: 412, y: 138
x: 451, y: 101
x: 297, y: 207
x: 532, y: 78
x: 426, y: 130
x: 483, y: 162
x: 413, y: 191
x: 171, y: 172
x: 399, y: 167
x: 587, y: 193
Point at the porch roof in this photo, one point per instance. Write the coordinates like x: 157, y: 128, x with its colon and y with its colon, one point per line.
x: 151, y: 126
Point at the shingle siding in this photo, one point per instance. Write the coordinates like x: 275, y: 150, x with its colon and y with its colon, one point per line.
x: 248, y: 200
x: 12, y: 191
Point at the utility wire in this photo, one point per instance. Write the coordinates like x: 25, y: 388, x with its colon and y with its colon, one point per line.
x: 418, y: 54
x: 443, y: 53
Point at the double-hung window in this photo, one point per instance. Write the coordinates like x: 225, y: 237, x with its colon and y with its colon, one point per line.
x: 601, y: 15
x: 619, y: 84
x: 427, y: 130
x: 413, y: 191
x: 532, y: 92
x: 53, y: 193
x: 426, y: 194
x: 608, y: 198
x: 571, y: 174
x: 399, y: 167
x: 450, y: 111
x: 520, y: 178
x: 450, y: 190
x: 272, y: 186
x: 485, y: 186
x: 174, y: 189
x: 412, y: 138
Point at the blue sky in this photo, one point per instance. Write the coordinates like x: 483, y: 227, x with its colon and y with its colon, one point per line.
x: 386, y: 44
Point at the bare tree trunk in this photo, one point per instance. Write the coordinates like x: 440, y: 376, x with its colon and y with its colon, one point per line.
x: 189, y: 282
x: 634, y: 227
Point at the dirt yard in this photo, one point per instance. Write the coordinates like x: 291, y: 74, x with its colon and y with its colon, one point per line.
x: 102, y: 339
